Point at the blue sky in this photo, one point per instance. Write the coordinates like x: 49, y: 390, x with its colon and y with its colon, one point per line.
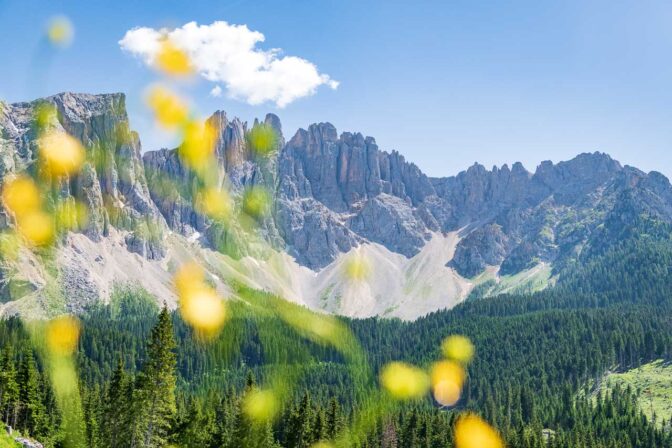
x: 445, y: 83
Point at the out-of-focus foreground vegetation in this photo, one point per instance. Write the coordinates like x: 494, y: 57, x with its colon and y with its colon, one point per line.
x: 256, y: 371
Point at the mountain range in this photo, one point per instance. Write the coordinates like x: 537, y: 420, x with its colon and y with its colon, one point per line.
x: 427, y: 243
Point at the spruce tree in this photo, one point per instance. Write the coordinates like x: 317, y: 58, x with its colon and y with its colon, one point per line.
x: 334, y: 419
x: 155, y: 392
x: 9, y: 388
x: 247, y: 433
x: 300, y: 424
x: 115, y: 419
x: 32, y: 416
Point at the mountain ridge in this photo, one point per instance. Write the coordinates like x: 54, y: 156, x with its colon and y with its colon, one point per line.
x: 333, y: 194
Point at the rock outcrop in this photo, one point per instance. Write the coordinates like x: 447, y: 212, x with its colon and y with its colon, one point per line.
x: 111, y: 183
x: 331, y: 193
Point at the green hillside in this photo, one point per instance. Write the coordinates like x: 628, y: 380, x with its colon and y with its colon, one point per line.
x: 652, y: 382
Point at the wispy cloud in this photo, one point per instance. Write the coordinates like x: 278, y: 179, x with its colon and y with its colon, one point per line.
x: 216, y: 91
x: 229, y: 54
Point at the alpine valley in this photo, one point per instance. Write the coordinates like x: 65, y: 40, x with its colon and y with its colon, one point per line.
x: 542, y: 299
x: 429, y: 243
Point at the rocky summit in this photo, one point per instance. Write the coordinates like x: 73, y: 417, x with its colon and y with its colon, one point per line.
x: 429, y: 241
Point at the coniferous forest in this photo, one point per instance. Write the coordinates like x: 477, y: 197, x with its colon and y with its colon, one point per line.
x: 146, y: 379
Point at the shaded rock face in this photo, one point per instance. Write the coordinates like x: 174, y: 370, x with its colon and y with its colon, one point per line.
x: 173, y: 187
x: 112, y: 181
x: 333, y: 192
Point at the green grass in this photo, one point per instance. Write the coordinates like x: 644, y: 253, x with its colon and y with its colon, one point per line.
x: 652, y: 383
x: 7, y: 441
x: 528, y: 281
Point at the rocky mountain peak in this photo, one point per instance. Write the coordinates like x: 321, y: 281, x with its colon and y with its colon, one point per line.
x: 332, y: 193
x: 273, y: 121
x: 112, y: 182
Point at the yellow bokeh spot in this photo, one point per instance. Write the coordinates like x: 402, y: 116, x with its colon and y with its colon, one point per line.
x: 458, y: 348
x: 472, y: 432
x: 36, y: 227
x: 71, y: 216
x: 324, y: 327
x: 216, y: 203
x: 200, y: 306
x: 204, y: 310
x: 256, y: 202
x: 189, y: 277
x: 172, y: 60
x: 62, y: 335
x: 21, y: 196
x: 60, y: 31
x: 45, y: 113
x: 262, y: 139
x: 170, y: 110
x: 404, y: 381
x: 61, y: 153
x: 446, y: 393
x: 447, y: 381
x: 197, y: 149
x: 261, y: 405
x: 9, y: 246
x: 357, y: 268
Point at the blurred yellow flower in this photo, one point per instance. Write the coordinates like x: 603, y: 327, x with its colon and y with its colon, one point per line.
x: 44, y: 114
x: 357, y: 268
x: 447, y: 381
x: 446, y: 393
x: 200, y: 306
x: 324, y: 327
x: 71, y: 215
x: 60, y: 31
x: 9, y: 246
x: 190, y: 276
x: 260, y: 405
x: 173, y: 61
x: 61, y: 153
x: 170, y: 110
x: 322, y: 444
x: 458, y: 348
x: 262, y: 139
x: 404, y: 381
x: 203, y: 309
x: 36, y: 227
x: 472, y: 432
x: 216, y: 203
x: 21, y: 196
x: 256, y: 202
x: 62, y: 335
x: 197, y: 149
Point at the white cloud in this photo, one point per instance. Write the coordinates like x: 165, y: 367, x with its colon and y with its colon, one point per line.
x: 228, y: 54
x: 216, y: 92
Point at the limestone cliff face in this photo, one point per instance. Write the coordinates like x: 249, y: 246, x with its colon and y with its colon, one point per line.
x: 112, y: 182
x: 333, y: 192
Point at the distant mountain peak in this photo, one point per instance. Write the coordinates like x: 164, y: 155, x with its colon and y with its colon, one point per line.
x: 334, y: 193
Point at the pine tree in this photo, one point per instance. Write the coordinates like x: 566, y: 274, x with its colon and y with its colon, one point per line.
x: 319, y: 426
x: 155, y: 392
x: 115, y: 418
x: 9, y: 388
x: 300, y: 424
x: 92, y: 416
x: 246, y: 433
x: 32, y: 415
x: 334, y: 419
